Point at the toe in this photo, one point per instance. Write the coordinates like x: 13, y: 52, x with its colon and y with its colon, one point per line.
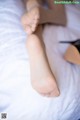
x: 28, y: 29
x: 24, y: 18
x: 35, y: 21
x: 36, y: 17
x: 33, y: 27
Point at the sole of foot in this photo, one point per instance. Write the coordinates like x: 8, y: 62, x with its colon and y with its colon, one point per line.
x: 42, y: 79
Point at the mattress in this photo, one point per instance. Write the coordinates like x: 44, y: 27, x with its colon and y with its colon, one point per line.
x: 17, y: 97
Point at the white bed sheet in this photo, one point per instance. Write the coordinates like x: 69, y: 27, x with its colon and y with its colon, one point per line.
x: 17, y: 98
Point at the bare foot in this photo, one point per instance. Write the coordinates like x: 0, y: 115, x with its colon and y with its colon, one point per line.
x: 30, y: 20
x: 42, y: 79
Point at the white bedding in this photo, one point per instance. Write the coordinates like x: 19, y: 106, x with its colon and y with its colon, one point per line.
x: 17, y: 98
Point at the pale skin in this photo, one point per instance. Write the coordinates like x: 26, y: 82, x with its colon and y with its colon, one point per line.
x: 42, y: 78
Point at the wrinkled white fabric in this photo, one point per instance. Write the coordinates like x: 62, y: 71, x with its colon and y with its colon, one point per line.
x: 17, y: 98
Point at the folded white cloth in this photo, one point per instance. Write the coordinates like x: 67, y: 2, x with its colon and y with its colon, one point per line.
x: 17, y: 98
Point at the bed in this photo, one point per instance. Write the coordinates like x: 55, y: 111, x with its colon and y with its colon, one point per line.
x: 17, y: 97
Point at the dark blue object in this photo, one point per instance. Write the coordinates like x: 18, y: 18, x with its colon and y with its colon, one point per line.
x: 76, y: 43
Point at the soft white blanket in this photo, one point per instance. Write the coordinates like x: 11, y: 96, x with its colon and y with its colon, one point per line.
x: 17, y: 98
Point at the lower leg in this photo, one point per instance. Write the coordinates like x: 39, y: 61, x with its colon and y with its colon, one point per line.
x: 56, y: 15
x: 42, y: 78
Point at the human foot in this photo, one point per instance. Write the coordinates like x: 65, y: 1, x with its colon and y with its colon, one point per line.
x: 30, y: 20
x: 42, y: 79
